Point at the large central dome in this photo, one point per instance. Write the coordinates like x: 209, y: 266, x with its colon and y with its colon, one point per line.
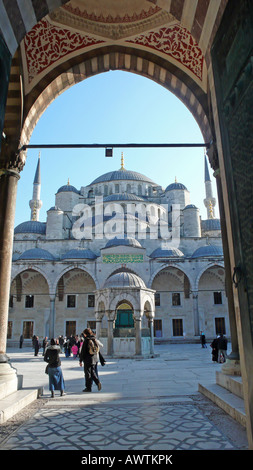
x: 122, y: 174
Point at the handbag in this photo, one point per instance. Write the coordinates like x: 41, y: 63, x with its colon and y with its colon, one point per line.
x: 46, y: 369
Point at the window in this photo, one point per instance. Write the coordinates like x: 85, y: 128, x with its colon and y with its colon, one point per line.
x: 28, y: 329
x: 220, y: 326
x: 92, y: 325
x: 157, y: 299
x: 176, y: 301
x: 177, y: 324
x: 70, y: 328
x: 71, y: 301
x: 91, y: 300
x: 29, y: 301
x: 217, y: 297
x: 158, y: 328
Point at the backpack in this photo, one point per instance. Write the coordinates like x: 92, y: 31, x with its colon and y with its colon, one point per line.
x: 93, y: 347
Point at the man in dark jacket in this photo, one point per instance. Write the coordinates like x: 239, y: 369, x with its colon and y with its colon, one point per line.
x: 222, y: 348
x: 89, y: 361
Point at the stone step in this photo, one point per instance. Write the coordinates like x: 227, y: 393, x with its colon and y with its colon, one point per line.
x: 15, y: 402
x: 10, y: 386
x: 227, y: 401
x: 231, y: 383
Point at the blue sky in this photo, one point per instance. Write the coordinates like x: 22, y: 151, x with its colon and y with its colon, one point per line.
x: 113, y: 107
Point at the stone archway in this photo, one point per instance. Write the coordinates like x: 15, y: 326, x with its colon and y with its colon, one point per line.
x: 228, y: 107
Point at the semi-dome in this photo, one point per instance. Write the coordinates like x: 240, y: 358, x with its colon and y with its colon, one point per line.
x: 176, y: 185
x: 68, y: 188
x: 207, y: 251
x: 124, y: 279
x: 37, y: 253
x: 171, y: 253
x: 122, y: 174
x: 31, y: 226
x: 123, y: 197
x: 123, y: 242
x: 79, y: 254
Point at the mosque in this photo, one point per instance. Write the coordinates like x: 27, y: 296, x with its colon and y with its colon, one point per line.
x: 124, y: 256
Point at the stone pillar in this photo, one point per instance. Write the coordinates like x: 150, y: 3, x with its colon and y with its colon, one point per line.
x: 234, y: 356
x: 195, y: 313
x: 151, y: 322
x: 98, y: 317
x: 138, y: 345
x: 110, y: 315
x: 8, y: 190
x: 52, y: 317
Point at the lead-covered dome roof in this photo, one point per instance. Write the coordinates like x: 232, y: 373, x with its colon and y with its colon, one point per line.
x: 123, y: 242
x: 68, y: 188
x: 37, y: 253
x: 79, y: 254
x: 171, y: 253
x: 207, y: 251
x: 176, y: 185
x: 122, y: 175
x: 124, y: 279
x: 31, y: 226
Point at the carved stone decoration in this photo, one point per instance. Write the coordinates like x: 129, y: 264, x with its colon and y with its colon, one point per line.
x: 47, y: 44
x: 176, y: 42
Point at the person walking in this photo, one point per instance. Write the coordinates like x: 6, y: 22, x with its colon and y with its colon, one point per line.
x: 44, y: 345
x: 55, y: 375
x: 214, y: 346
x: 203, y: 340
x: 88, y: 357
x: 37, y: 346
x: 222, y: 348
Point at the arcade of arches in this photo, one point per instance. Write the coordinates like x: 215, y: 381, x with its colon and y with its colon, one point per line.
x: 200, y: 50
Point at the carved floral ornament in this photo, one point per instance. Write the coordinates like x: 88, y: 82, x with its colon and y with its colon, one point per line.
x: 48, y: 45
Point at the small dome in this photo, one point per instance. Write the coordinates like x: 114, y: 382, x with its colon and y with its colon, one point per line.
x: 123, y: 242
x: 37, y: 253
x: 79, y: 254
x: 175, y: 186
x: 190, y: 206
x: 171, y: 253
x: 123, y: 197
x: 210, y: 224
x: 68, y: 188
x: 124, y: 279
x: 31, y: 226
x: 55, y: 208
x: 121, y: 175
x: 207, y: 251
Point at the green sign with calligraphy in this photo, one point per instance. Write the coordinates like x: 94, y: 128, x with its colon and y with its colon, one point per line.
x: 123, y: 258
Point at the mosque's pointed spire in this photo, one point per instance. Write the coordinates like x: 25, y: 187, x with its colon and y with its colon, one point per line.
x: 37, y: 178
x: 207, y: 174
x: 35, y: 203
x: 209, y: 200
x: 122, y: 161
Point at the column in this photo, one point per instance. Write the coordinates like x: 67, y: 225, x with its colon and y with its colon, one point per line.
x: 234, y: 355
x: 8, y: 191
x: 52, y: 317
x: 138, y: 345
x: 151, y: 322
x: 195, y: 312
x: 110, y: 315
x: 98, y: 317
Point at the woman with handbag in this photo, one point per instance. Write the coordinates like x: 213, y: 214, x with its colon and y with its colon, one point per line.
x: 52, y: 357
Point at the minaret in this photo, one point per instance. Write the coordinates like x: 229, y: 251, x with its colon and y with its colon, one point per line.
x: 35, y: 203
x: 209, y: 201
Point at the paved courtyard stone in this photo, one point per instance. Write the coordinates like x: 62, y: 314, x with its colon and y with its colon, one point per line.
x: 152, y: 404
